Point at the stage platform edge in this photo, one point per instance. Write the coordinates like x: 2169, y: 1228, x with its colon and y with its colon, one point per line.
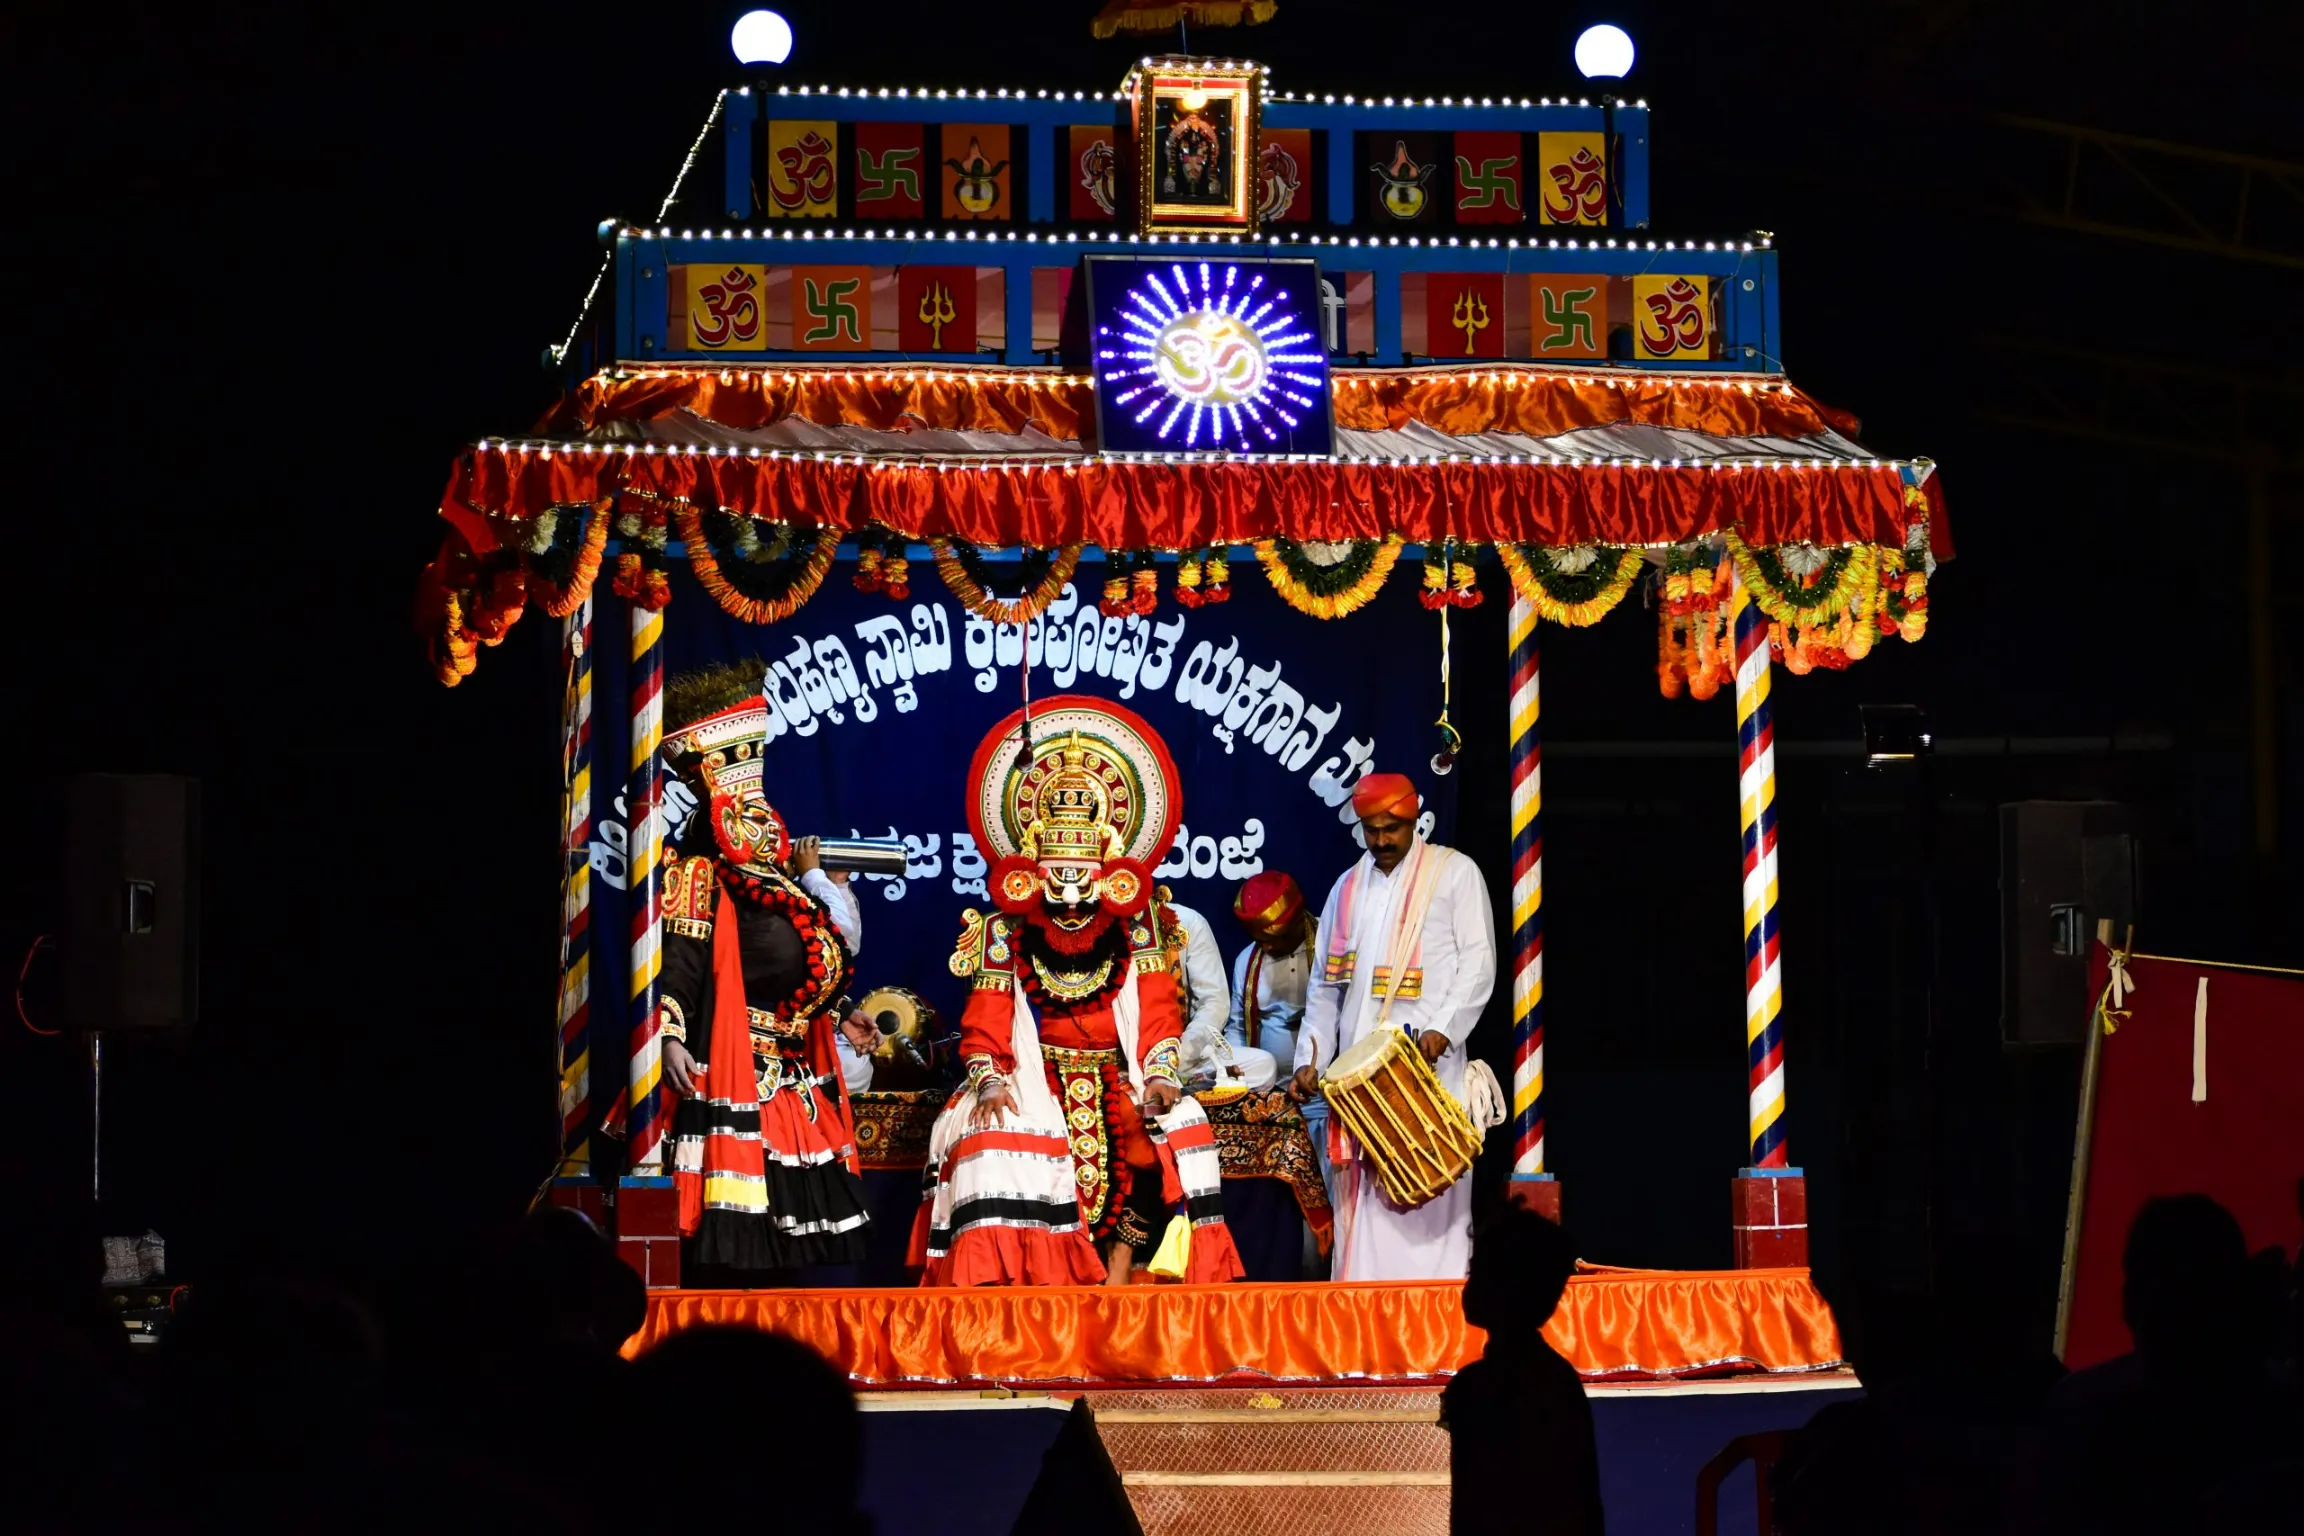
x: 1613, y: 1325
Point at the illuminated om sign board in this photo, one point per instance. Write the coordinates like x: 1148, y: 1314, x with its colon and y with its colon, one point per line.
x: 1208, y: 356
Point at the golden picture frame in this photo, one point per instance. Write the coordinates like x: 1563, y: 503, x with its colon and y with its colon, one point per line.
x: 1193, y: 129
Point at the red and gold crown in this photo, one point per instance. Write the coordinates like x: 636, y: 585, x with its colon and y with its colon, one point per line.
x: 726, y: 751
x: 1081, y: 818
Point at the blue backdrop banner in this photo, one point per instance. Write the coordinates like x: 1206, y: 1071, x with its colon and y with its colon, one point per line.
x: 876, y: 707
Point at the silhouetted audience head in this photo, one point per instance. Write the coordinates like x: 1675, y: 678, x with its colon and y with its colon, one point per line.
x: 742, y: 1387
x: 1521, y: 1265
x: 2183, y: 1276
x: 590, y: 1297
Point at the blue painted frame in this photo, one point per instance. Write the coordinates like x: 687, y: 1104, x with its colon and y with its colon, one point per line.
x: 1749, y: 326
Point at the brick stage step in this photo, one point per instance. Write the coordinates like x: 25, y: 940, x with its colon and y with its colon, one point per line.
x: 1278, y: 1462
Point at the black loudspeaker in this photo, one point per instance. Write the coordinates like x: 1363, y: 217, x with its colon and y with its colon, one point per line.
x: 131, y: 935
x: 2064, y: 865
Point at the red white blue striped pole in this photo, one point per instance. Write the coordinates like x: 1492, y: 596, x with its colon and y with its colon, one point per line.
x: 645, y: 1113
x: 1527, y: 785
x: 1763, y: 968
x: 576, y: 901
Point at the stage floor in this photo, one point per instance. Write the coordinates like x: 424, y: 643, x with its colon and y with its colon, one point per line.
x: 1612, y: 1325
x: 1268, y: 1462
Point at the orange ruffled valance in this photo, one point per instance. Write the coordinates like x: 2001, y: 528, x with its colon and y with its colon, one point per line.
x: 1537, y: 403
x: 1125, y: 505
x: 1620, y: 1323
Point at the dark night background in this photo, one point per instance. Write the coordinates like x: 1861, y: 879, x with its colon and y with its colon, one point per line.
x: 273, y: 266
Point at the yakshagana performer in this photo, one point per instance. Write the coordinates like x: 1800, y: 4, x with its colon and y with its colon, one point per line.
x: 1072, y: 1129
x: 758, y: 945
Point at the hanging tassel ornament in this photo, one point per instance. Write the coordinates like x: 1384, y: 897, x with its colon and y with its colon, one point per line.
x: 1451, y: 741
x: 1116, y: 568
x: 1146, y: 586
x: 896, y: 571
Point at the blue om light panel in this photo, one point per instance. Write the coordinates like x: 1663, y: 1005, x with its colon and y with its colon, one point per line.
x: 1208, y: 356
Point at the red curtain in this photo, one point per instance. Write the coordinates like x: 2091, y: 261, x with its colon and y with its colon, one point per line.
x: 1188, y: 505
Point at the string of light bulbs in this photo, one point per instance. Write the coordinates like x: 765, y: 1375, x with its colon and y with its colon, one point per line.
x: 663, y: 211
x: 546, y: 448
x: 1511, y: 377
x: 1302, y: 98
x: 1761, y: 242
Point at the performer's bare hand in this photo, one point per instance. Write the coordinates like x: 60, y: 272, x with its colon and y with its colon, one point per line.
x: 807, y: 854
x: 990, y: 1105
x: 679, y: 1068
x: 1433, y: 1044
x: 1159, y: 1098
x: 862, y: 1033
x: 1305, y: 1084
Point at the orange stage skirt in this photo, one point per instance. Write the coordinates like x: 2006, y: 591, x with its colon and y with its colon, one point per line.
x: 1613, y: 1323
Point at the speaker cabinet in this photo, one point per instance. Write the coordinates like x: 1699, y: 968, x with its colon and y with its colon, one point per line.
x: 2064, y: 865
x: 131, y: 933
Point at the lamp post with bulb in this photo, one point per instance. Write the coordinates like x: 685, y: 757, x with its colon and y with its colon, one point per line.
x: 1605, y: 52
x: 761, y: 41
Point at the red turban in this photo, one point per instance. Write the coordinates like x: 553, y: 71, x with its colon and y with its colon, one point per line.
x: 1268, y: 901
x: 1384, y: 794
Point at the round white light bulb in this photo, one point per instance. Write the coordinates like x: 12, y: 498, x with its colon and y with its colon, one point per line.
x: 763, y: 37
x: 1604, y: 53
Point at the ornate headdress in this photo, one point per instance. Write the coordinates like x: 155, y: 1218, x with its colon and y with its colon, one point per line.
x: 724, y: 749
x: 1081, y: 821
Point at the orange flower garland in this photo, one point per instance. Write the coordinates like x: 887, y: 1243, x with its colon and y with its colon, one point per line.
x: 1015, y: 610
x: 797, y: 574
x: 563, y: 597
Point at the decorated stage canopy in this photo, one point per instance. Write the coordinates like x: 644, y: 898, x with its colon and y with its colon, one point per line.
x: 1100, y: 358
x: 1189, y: 316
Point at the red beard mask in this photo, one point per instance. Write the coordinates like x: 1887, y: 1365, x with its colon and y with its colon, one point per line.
x: 748, y: 830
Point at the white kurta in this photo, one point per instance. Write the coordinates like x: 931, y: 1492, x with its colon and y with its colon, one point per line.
x: 848, y: 916
x: 1205, y: 999
x: 1375, y: 1239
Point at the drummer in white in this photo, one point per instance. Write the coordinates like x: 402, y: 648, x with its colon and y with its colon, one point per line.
x: 1369, y: 933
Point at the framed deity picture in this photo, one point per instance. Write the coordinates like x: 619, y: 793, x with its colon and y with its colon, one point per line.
x: 1195, y: 145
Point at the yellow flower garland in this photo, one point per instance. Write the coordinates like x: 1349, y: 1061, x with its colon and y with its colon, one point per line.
x: 1575, y: 615
x: 1329, y: 605
x: 1856, y: 588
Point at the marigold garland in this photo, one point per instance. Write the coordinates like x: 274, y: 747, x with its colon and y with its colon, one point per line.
x: 962, y: 567
x: 1216, y: 575
x: 1846, y: 580
x: 561, y: 565
x: 1695, y: 652
x: 1573, y: 598
x: 758, y: 583
x: 1328, y: 591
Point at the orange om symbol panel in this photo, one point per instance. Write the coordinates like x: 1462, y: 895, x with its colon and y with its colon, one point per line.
x: 808, y: 164
x: 1676, y: 324
x: 1582, y: 184
x: 731, y: 310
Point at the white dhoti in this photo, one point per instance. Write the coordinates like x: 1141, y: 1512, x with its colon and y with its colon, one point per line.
x: 1387, y: 965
